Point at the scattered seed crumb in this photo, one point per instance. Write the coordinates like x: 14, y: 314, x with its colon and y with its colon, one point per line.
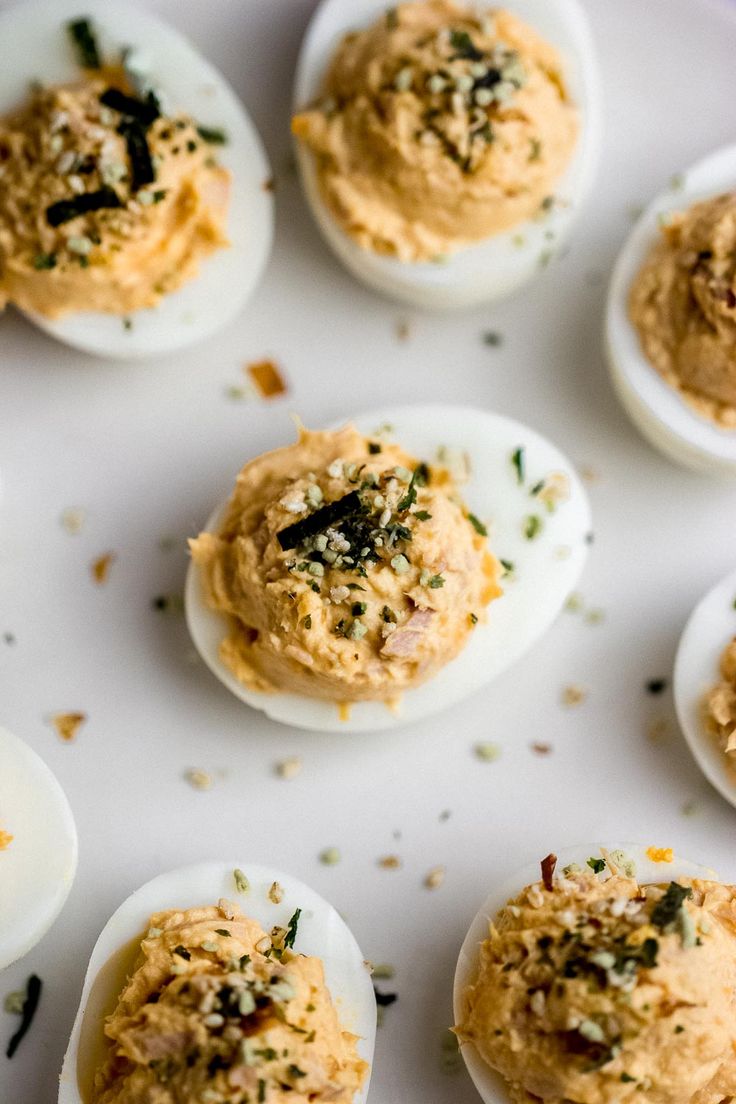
x: 383, y: 972
x: 656, y: 686
x: 434, y: 877
x: 198, y: 779
x: 677, y: 182
x: 595, y: 616
x: 276, y: 894
x: 590, y: 537
x: 658, y: 730
x: 100, y: 567
x: 487, y: 751
x: 588, y: 474
x: 267, y: 378
x: 451, y: 1060
x: 9, y: 638
x: 168, y: 603
x: 237, y: 392
x: 573, y: 695
x: 289, y: 768
x: 403, y: 329
x: 5, y: 840
x: 127, y: 324
x: 68, y: 724
x: 444, y: 815
x: 574, y: 603
x: 563, y: 552
x: 635, y: 211
x: 168, y: 543
x: 689, y: 808
x: 330, y: 856
x: 242, y: 884
x: 492, y: 338
x: 389, y: 862
x: 13, y: 1002
x: 540, y: 748
x: 269, y: 185
x: 396, y: 833
x: 72, y: 520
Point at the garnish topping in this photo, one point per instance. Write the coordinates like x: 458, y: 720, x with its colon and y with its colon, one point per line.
x: 85, y: 43
x: 28, y: 1011
x: 67, y: 209
x: 548, y: 865
x: 518, y: 459
x: 597, y: 865
x: 349, y: 505
x: 667, y: 911
x: 213, y: 136
x: 291, y: 929
x: 478, y: 525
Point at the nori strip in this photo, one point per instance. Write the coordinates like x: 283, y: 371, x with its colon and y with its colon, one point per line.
x: 336, y: 511
x: 143, y: 111
x: 141, y: 165
x: 67, y: 209
x: 30, y: 1004
x: 85, y: 43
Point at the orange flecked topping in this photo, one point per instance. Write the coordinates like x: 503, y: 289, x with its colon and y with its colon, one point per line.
x: 267, y: 378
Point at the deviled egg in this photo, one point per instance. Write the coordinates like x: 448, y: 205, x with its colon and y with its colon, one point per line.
x: 38, y: 848
x: 671, y: 318
x: 611, y: 978
x: 223, y: 983
x: 134, y: 213
x: 445, y: 149
x: 705, y: 685
x: 376, y: 573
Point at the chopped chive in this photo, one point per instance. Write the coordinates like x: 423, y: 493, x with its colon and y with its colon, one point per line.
x: 478, y: 525
x: 518, y: 459
x: 213, y: 136
x: 85, y: 43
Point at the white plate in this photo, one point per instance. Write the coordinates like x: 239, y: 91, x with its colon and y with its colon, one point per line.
x: 497, y: 266
x: 41, y: 50
x: 542, y: 581
x: 711, y: 626
x: 37, y: 869
x: 656, y: 408
x: 490, y: 1084
x: 322, y: 933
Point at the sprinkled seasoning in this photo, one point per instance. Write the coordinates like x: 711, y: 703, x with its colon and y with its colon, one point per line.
x: 5, y: 840
x: 656, y: 686
x: 100, y: 567
x: 292, y: 929
x: 434, y: 877
x: 198, y: 779
x: 213, y: 136
x: 242, y: 885
x: 276, y: 894
x: 532, y: 526
x: 44, y: 261
x: 67, y: 209
x: 68, y: 724
x: 389, y: 862
x: 487, y: 752
x: 267, y: 378
x: 518, y: 461
x: 573, y: 694
x: 478, y: 525
x: 548, y: 865
x: 492, y: 338
x: 330, y: 856
x: 289, y: 768
x: 28, y: 1011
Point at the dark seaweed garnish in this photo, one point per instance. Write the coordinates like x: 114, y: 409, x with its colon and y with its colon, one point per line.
x: 67, y: 209
x: 144, y: 111
x: 30, y: 1004
x: 337, y: 511
x: 85, y: 43
x: 142, y: 171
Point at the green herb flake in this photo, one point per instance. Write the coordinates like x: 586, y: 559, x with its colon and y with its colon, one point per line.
x: 473, y: 618
x: 374, y: 448
x: 423, y: 515
x: 358, y: 608
x: 85, y: 43
x: 242, y: 884
x: 508, y: 567
x: 532, y: 526
x: 478, y: 525
x: 295, y: 1072
x: 213, y: 136
x: 435, y: 582
x: 392, y: 19
x: 30, y: 1004
x: 518, y: 460
x: 261, y: 1090
x: 666, y: 911
x: 535, y: 149
x: 223, y: 932
x: 291, y: 929
x: 307, y: 621
x: 627, y: 1078
x: 596, y: 865
x: 679, y: 1029
x: 492, y: 338
x: 44, y: 261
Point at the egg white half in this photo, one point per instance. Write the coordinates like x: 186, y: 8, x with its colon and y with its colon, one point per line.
x: 657, y: 409
x: 38, y: 48
x: 321, y: 933
x: 495, y: 267
x: 546, y: 569
x: 711, y: 626
x: 491, y: 1086
x: 37, y: 869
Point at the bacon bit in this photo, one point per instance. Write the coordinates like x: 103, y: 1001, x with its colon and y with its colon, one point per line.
x: 660, y: 854
x: 548, y: 871
x: 5, y: 840
x: 573, y: 695
x: 267, y: 378
x: 67, y: 724
x: 390, y: 862
x: 101, y: 567
x: 541, y: 749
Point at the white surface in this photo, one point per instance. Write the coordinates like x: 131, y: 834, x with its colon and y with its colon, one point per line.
x: 188, y: 83
x: 712, y: 625
x: 148, y: 452
x: 546, y: 569
x: 659, y: 411
x: 37, y: 869
x: 490, y: 1084
x: 498, y: 266
x: 321, y: 933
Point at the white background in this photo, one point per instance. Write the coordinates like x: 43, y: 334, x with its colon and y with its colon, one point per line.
x: 147, y: 450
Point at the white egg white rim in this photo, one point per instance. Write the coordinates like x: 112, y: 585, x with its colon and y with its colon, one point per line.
x: 491, y: 1086
x: 471, y: 275
x: 226, y: 278
x: 481, y: 433
x: 322, y: 933
x: 58, y: 865
x: 710, y: 627
x: 664, y: 414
